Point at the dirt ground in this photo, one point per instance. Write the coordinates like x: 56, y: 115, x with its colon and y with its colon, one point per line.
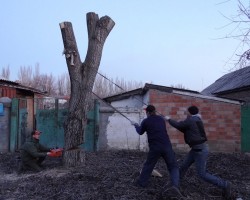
x: 110, y: 175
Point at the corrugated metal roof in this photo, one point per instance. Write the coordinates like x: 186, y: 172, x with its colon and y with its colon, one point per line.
x: 2, y: 80
x: 143, y: 90
x: 16, y: 85
x: 166, y: 88
x: 231, y: 81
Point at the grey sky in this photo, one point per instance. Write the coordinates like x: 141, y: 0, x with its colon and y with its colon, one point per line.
x: 161, y: 42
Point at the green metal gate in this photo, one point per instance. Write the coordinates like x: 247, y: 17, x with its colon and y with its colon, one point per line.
x: 245, y: 128
x: 49, y: 116
x: 50, y: 121
x: 21, y: 125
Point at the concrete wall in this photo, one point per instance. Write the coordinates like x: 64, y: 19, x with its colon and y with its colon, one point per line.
x: 5, y: 124
x: 116, y: 132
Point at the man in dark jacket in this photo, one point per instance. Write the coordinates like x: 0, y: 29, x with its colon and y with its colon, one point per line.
x: 195, y: 137
x: 159, y: 146
x: 33, y: 153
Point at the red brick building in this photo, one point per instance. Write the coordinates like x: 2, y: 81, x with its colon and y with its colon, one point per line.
x: 222, y: 117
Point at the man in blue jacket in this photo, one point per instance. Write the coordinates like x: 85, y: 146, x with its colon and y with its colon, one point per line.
x: 195, y: 137
x: 159, y: 146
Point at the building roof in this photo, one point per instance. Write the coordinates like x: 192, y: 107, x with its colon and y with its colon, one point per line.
x: 141, y: 91
x: 237, y: 80
x: 16, y: 85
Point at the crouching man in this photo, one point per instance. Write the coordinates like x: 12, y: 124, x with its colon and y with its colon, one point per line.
x: 33, y: 153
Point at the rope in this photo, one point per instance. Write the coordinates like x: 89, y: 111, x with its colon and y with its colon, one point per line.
x: 120, y: 88
x: 117, y: 112
x: 112, y: 107
x: 125, y: 91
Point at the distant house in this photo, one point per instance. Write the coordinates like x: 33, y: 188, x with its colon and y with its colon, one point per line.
x: 16, y: 103
x: 16, y: 90
x: 234, y: 85
x: 222, y: 118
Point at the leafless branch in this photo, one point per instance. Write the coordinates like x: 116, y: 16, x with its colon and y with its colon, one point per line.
x: 241, y: 32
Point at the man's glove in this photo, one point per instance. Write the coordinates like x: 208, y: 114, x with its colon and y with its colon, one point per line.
x: 167, y: 118
x: 134, y: 123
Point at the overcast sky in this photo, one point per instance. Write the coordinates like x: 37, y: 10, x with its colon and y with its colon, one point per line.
x: 164, y: 42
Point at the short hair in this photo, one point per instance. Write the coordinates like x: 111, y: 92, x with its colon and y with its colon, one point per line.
x: 34, y: 132
x: 150, y: 109
x: 193, y: 110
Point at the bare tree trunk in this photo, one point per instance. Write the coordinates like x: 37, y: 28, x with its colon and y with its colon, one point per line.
x: 82, y: 77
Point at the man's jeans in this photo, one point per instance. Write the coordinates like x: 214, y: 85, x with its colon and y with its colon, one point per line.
x: 154, y: 155
x: 199, y: 157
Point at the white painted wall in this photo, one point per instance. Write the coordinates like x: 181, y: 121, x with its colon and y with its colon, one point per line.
x: 120, y: 133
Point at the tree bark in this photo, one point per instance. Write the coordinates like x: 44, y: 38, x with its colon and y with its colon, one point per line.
x: 82, y: 77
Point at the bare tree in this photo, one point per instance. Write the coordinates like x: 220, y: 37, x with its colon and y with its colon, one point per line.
x: 104, y: 86
x: 133, y: 85
x: 68, y: 85
x: 61, y: 85
x: 122, y: 85
x: 101, y: 86
x: 180, y: 86
x: 36, y: 79
x: 24, y: 75
x: 42, y: 82
x: 82, y: 76
x: 5, y: 72
x: 126, y: 85
x: 47, y: 83
x: 241, y: 32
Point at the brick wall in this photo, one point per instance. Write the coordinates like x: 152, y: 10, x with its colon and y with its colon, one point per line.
x: 222, y: 120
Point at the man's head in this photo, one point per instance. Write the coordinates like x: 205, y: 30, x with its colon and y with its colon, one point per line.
x: 36, y: 134
x: 150, y: 109
x: 193, y: 110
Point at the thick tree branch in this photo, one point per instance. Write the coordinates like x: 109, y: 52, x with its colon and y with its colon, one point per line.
x: 82, y: 76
